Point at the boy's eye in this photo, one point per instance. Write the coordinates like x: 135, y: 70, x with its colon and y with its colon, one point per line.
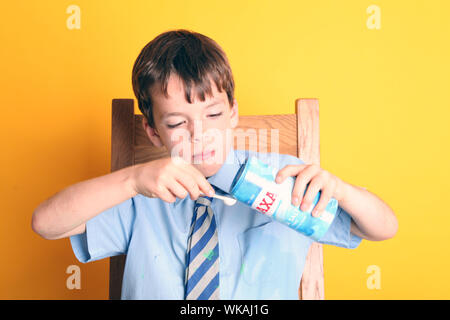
x: 176, y: 125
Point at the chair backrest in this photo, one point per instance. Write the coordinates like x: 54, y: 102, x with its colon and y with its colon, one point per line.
x: 298, y: 135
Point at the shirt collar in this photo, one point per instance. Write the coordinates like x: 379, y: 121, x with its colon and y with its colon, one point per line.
x: 223, y: 178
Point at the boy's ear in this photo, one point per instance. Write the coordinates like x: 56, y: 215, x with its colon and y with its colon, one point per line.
x: 234, y: 115
x: 152, y: 133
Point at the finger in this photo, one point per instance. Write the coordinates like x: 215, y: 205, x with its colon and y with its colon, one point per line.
x: 313, y: 189
x: 186, y: 179
x: 289, y: 171
x: 201, y: 181
x: 164, y: 194
x: 177, y: 189
x: 301, y: 182
x: 325, y: 197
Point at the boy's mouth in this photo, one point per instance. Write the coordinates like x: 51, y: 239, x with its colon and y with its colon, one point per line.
x: 203, y: 156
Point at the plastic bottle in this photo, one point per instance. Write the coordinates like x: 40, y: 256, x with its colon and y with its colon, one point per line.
x: 254, y: 185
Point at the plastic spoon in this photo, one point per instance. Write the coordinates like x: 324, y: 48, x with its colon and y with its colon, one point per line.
x: 227, y: 200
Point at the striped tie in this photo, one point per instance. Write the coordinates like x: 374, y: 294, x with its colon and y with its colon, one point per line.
x: 202, y: 271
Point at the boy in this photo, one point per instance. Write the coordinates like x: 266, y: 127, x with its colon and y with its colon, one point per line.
x: 195, y: 247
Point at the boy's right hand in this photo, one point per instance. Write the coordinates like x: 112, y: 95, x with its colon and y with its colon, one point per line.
x: 169, y: 178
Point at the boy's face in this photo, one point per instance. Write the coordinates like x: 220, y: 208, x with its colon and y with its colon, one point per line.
x: 195, y: 130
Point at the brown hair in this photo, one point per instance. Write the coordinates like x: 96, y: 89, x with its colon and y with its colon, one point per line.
x: 195, y: 58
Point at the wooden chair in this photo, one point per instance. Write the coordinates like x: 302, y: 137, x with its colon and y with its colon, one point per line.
x: 298, y: 136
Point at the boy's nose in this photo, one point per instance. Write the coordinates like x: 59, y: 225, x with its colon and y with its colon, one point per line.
x: 196, y: 138
x: 198, y: 134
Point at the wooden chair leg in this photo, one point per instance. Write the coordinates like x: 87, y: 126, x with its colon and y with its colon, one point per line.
x: 312, y: 284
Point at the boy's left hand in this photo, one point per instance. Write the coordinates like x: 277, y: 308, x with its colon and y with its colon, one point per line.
x: 321, y: 180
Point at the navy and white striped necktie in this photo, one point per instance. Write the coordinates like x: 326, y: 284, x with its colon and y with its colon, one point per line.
x: 202, y: 263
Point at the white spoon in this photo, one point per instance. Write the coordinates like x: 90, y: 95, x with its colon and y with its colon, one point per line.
x: 227, y: 200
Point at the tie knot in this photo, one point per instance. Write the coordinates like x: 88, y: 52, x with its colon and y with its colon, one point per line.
x: 203, y: 200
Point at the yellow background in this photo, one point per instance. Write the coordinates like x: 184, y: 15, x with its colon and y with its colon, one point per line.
x: 384, y: 117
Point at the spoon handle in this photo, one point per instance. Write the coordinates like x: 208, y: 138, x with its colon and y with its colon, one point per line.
x: 220, y: 197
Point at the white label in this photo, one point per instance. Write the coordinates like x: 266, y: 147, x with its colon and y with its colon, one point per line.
x: 326, y: 217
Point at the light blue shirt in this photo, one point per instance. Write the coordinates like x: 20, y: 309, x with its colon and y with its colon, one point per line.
x: 260, y: 258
